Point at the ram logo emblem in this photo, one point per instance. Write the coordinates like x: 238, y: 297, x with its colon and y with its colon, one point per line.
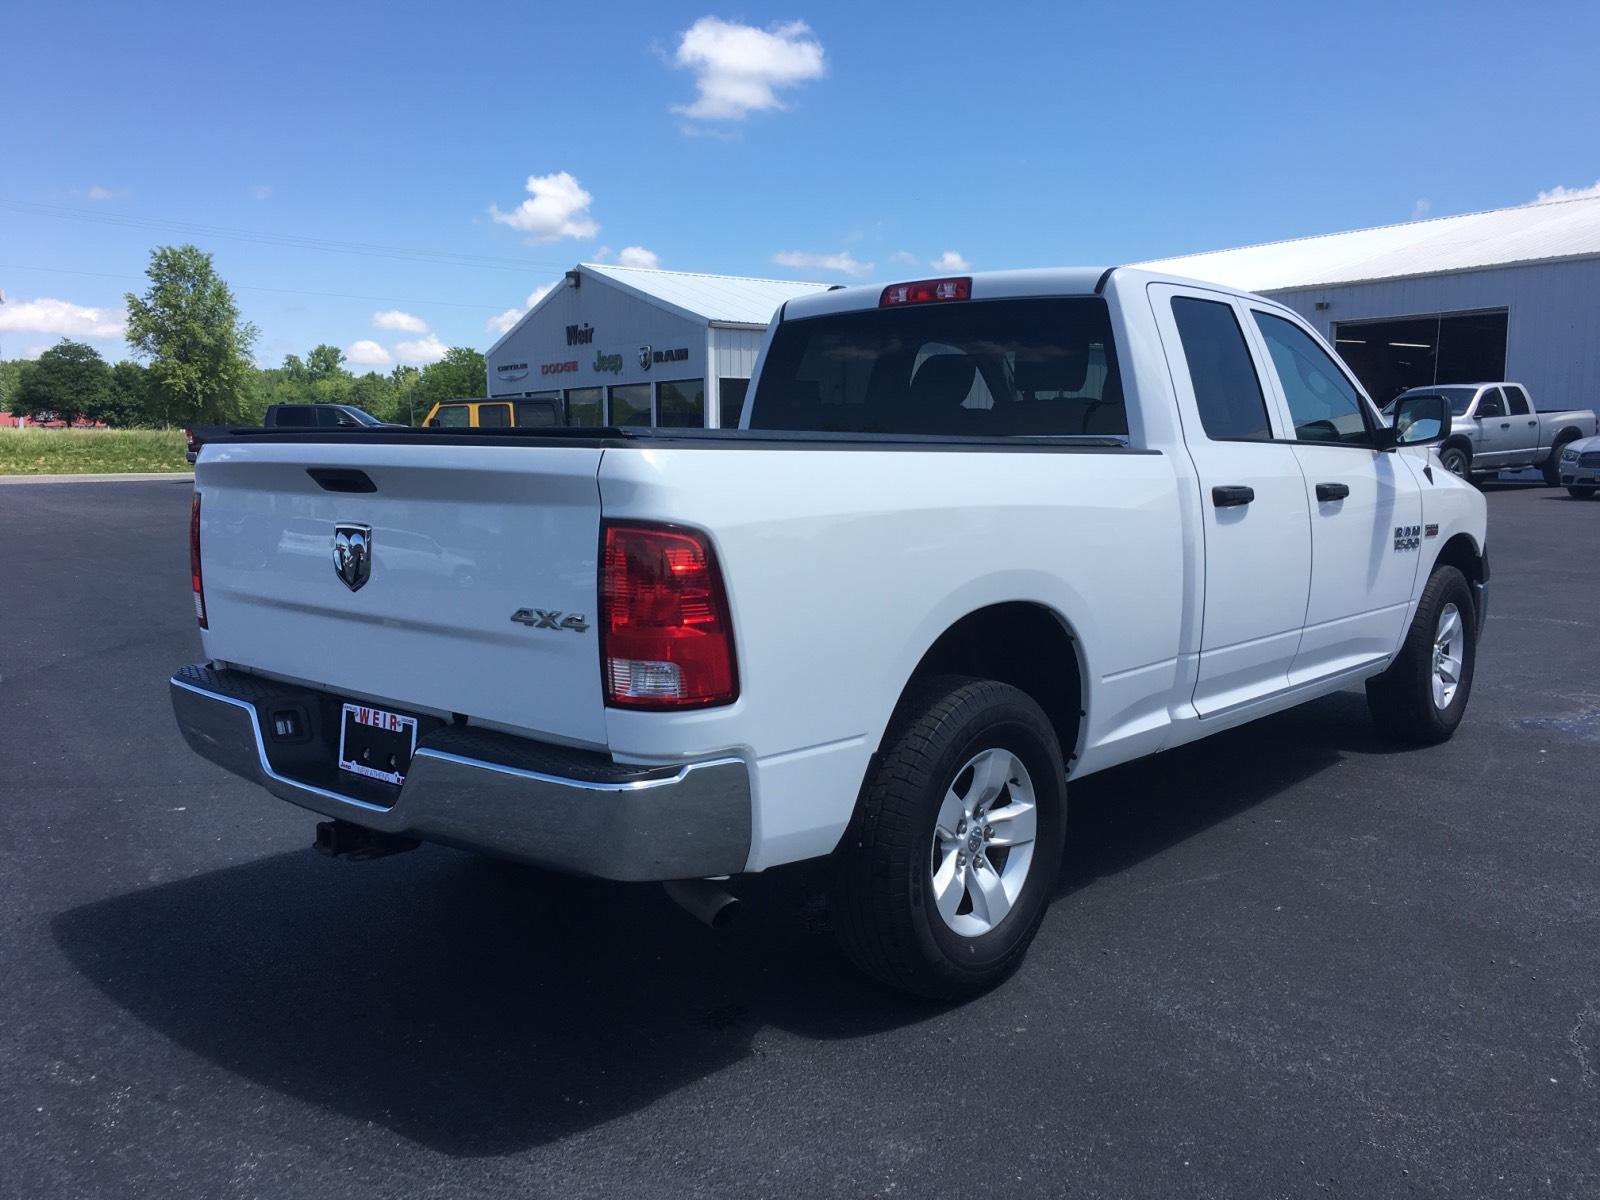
x: 352, y: 555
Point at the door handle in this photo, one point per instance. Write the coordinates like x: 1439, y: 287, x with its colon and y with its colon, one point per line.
x: 1505, y: 424
x: 1332, y: 491
x: 1232, y: 495
x: 1533, y: 422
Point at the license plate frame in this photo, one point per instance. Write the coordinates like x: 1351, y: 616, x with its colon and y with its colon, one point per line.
x: 383, y: 744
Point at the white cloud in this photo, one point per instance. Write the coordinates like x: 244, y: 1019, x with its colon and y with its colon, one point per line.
x: 950, y: 261
x: 501, y: 323
x: 1566, y: 193
x: 637, y: 256
x: 905, y: 258
x: 393, y: 318
x: 739, y: 68
x: 557, y: 207
x: 366, y: 353
x: 100, y: 192
x: 423, y: 350
x: 61, y: 318
x: 843, y: 262
x: 1421, y: 208
x: 32, y: 353
x: 262, y: 191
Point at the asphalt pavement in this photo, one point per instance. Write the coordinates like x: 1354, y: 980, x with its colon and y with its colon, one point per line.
x: 1288, y: 961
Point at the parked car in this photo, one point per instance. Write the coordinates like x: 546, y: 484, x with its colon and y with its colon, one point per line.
x: 978, y: 537
x: 505, y: 412
x: 1496, y: 427
x: 296, y: 416
x: 1580, y: 468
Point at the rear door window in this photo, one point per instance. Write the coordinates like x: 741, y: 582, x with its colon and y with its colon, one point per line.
x: 295, y: 414
x: 1517, y: 399
x: 1226, y: 389
x: 454, y: 416
x: 973, y: 368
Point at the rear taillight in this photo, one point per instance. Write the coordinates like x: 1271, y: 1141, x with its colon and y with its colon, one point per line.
x: 665, y: 637
x: 188, y: 439
x: 925, y: 291
x: 194, y: 562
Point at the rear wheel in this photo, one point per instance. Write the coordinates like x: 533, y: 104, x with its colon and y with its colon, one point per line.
x: 1423, y: 695
x: 1581, y: 492
x: 944, y: 875
x: 1456, y: 460
x: 1552, y: 465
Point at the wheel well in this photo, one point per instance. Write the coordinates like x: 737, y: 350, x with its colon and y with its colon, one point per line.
x: 1459, y: 441
x: 1025, y: 645
x: 1460, y: 553
x: 1569, y: 434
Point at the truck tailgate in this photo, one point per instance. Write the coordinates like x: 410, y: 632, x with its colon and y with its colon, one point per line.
x: 462, y: 538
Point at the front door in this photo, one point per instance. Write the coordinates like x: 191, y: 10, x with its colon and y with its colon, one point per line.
x: 1252, y: 494
x: 1365, y: 504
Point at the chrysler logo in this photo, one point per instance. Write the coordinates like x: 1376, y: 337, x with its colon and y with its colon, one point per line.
x: 352, y: 554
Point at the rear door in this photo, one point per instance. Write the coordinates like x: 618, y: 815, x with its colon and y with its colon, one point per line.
x: 1253, y: 495
x: 460, y: 541
x: 1366, y: 505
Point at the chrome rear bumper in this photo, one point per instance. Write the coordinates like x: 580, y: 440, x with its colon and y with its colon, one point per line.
x: 479, y: 790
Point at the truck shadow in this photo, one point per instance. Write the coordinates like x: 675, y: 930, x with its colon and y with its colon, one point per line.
x: 480, y: 1008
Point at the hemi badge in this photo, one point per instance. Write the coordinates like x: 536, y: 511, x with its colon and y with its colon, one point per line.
x: 1433, y: 531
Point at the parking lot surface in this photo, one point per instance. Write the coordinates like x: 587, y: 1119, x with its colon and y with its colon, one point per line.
x: 1286, y: 961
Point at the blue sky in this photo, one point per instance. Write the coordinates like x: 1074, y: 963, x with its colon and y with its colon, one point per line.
x: 808, y: 140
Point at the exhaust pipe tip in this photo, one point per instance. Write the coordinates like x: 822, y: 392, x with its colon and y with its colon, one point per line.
x: 706, y: 901
x: 343, y: 839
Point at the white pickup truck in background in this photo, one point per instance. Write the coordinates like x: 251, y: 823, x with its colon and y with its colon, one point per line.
x: 980, y: 536
x: 1495, y: 428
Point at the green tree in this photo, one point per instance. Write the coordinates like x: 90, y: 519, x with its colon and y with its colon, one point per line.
x: 325, y: 362
x: 188, y: 325
x: 11, y: 372
x: 127, y: 402
x: 460, y: 373
x: 403, y: 383
x: 69, y: 381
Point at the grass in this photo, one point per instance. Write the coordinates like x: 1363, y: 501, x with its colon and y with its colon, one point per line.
x: 90, y: 451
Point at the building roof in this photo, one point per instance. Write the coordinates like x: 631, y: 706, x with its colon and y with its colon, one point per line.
x: 1558, y: 229
x: 726, y: 299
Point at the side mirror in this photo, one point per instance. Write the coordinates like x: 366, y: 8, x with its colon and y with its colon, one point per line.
x: 1420, y: 421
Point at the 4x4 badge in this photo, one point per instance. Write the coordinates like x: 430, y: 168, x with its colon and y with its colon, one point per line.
x: 541, y: 618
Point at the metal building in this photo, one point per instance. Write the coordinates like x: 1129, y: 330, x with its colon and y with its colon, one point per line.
x: 635, y: 346
x: 1509, y: 294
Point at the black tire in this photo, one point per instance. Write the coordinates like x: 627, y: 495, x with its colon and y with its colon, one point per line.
x: 1402, y: 698
x: 1457, y: 461
x: 881, y: 895
x: 1581, y: 492
x: 1552, y: 465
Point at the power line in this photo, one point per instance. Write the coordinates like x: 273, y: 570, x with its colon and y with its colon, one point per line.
x: 261, y: 238
x: 252, y: 287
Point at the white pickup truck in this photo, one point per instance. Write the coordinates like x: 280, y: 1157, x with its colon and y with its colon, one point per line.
x: 1496, y: 428
x: 979, y: 537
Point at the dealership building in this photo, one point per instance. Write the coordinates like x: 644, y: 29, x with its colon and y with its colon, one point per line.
x: 1509, y: 294
x: 635, y: 346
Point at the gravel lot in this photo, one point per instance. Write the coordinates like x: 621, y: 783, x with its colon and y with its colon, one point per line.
x: 1288, y: 961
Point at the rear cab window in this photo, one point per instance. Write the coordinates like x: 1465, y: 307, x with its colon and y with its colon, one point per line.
x: 980, y: 368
